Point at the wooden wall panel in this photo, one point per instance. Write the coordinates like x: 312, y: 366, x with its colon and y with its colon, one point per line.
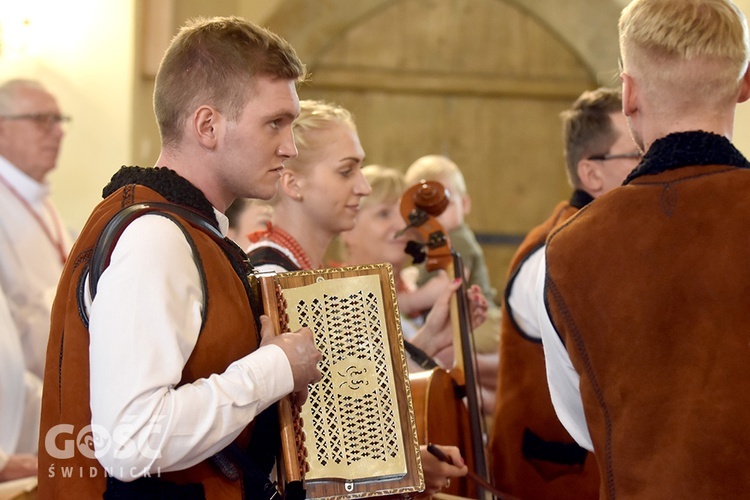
x: 477, y: 80
x: 470, y: 37
x: 482, y: 81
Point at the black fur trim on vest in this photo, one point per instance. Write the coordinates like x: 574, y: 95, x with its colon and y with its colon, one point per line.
x: 580, y: 199
x: 167, y: 183
x: 683, y: 149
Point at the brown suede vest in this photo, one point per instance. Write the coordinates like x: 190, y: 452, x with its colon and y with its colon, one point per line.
x: 229, y: 332
x: 649, y: 288
x: 533, y: 456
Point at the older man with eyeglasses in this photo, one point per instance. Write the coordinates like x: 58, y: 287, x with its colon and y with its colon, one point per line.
x: 34, y: 244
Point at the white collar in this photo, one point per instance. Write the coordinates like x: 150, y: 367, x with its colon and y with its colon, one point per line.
x: 223, y: 221
x: 32, y: 190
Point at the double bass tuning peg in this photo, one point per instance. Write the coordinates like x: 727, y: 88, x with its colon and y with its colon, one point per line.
x: 416, y: 250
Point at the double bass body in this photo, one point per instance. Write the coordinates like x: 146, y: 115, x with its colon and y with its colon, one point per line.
x: 442, y: 418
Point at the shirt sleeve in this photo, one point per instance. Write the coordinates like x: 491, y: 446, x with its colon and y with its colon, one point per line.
x: 523, y: 300
x: 144, y: 323
x: 563, y: 380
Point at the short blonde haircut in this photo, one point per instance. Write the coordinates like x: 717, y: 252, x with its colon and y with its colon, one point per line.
x: 215, y: 61
x: 661, y: 40
x: 436, y: 168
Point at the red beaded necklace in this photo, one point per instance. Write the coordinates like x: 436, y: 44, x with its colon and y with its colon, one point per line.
x: 57, y: 241
x: 286, y: 240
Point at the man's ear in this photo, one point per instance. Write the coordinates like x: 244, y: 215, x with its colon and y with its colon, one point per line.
x: 206, y: 124
x: 589, y: 172
x: 629, y: 95
x: 744, y: 87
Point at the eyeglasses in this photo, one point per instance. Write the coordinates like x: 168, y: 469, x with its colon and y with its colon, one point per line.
x: 635, y: 156
x: 45, y: 121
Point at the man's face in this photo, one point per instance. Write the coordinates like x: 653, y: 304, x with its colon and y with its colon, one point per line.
x: 31, y: 144
x: 257, y: 144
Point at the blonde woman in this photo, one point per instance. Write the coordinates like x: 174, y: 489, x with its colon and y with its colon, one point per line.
x: 319, y: 196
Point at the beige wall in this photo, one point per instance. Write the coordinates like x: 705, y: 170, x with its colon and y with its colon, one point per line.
x: 86, y: 52
x: 82, y: 50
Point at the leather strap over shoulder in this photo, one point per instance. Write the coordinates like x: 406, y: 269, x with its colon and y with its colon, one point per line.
x: 266, y: 255
x: 114, y: 228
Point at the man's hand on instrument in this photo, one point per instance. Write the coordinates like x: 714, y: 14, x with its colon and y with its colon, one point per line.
x: 301, y: 352
x: 437, y: 474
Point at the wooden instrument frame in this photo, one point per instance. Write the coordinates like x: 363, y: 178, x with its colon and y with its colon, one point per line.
x: 403, y: 487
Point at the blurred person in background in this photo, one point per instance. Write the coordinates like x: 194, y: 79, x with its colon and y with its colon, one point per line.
x: 34, y: 241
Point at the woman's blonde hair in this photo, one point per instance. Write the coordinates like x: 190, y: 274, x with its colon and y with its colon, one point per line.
x: 387, y: 184
x: 314, y: 116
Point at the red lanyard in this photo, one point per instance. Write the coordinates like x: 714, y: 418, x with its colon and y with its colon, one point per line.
x: 56, y: 242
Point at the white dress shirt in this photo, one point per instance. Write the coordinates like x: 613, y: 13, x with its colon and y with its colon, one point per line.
x: 20, y: 394
x: 523, y: 299
x: 144, y: 324
x: 564, y: 381
x: 30, y: 264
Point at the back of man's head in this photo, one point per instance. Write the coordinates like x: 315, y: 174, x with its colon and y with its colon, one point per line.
x: 685, y: 50
x: 215, y: 61
x: 587, y: 127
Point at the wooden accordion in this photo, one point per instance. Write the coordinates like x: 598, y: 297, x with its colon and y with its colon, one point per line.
x: 356, y: 435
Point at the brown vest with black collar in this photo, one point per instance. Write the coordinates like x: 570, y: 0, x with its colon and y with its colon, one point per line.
x: 533, y: 456
x: 649, y: 289
x: 229, y: 332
